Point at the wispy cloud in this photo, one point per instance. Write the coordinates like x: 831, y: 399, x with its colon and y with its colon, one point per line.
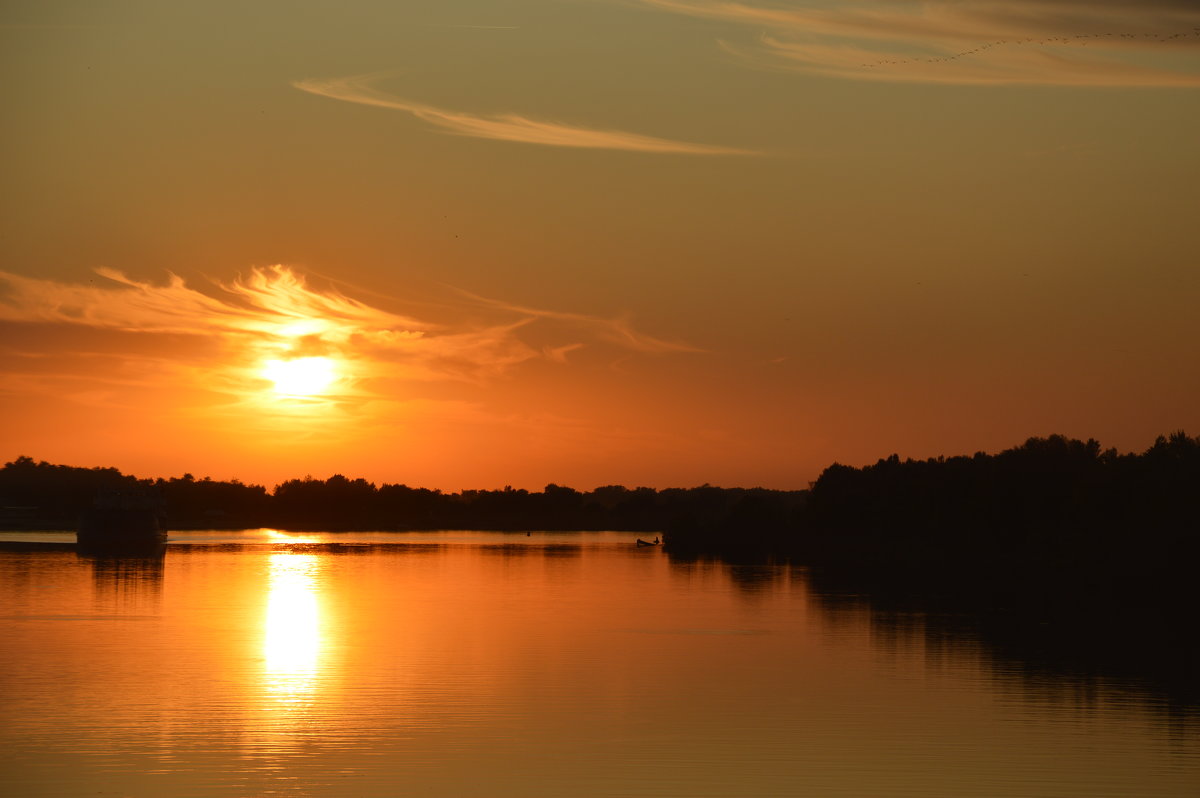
x: 505, y: 127
x: 274, y: 302
x: 274, y: 313
x: 472, y: 27
x: 1045, y: 42
x: 618, y: 331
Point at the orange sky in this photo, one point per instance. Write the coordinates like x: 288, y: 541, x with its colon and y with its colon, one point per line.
x: 648, y: 242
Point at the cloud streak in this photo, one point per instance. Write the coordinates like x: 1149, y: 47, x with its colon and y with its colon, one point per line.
x: 506, y: 127
x: 274, y: 313
x: 1040, y: 42
x: 618, y: 331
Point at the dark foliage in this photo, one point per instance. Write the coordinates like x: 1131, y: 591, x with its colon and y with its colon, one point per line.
x: 1051, y: 498
x: 1051, y: 504
x: 52, y: 496
x: 42, y: 495
x: 1054, y: 531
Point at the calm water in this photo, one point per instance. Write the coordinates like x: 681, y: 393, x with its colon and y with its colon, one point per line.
x: 489, y: 664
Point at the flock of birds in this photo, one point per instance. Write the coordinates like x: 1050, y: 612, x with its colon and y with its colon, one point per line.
x: 1079, y: 38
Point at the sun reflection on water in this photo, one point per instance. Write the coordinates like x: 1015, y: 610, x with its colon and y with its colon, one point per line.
x: 292, y: 644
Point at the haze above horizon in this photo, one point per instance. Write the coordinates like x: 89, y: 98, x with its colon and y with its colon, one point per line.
x: 458, y: 244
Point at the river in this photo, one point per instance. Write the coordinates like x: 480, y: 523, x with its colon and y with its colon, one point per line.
x: 549, y: 664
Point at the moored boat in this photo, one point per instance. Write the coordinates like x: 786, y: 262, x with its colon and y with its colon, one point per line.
x: 123, y: 521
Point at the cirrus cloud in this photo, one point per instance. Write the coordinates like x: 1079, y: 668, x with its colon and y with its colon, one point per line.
x: 1041, y: 42
x: 505, y: 127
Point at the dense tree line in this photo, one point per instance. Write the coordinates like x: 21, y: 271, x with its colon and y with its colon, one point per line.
x: 41, y: 494
x: 1056, y: 498
x: 52, y: 495
x: 44, y: 495
x: 1054, y: 504
x: 1063, y: 495
x: 1057, y: 526
x: 1046, y: 483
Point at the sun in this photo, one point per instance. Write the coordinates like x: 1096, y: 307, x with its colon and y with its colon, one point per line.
x: 303, y: 376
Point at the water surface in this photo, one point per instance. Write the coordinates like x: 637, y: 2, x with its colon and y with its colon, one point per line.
x: 475, y: 663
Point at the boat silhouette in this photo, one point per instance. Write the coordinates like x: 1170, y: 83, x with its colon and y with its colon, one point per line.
x: 123, y: 521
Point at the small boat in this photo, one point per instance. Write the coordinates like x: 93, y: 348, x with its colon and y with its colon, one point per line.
x: 122, y: 521
x: 641, y: 542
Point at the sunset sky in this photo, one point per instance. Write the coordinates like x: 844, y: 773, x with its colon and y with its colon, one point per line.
x: 469, y: 243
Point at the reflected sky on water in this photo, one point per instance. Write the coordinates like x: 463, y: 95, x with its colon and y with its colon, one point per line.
x: 460, y: 663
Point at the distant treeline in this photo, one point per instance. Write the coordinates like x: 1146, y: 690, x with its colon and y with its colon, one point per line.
x: 1058, y: 496
x: 1055, y: 493
x: 1054, y: 528
x: 41, y: 495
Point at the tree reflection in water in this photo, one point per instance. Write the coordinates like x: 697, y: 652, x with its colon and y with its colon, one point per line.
x: 1057, y: 651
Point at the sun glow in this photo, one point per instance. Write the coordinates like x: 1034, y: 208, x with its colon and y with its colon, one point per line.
x: 303, y: 376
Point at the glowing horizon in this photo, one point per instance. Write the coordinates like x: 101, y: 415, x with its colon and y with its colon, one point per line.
x: 661, y: 243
